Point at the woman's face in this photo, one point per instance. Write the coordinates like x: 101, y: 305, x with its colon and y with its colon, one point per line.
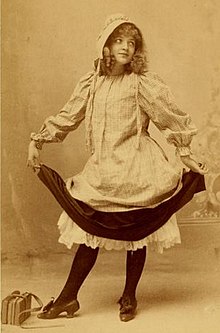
x: 123, y: 49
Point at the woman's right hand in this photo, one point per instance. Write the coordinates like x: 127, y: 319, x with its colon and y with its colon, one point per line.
x: 194, y: 165
x: 33, y: 160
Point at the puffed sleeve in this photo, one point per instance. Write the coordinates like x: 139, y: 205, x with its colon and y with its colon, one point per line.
x: 158, y: 102
x: 55, y: 128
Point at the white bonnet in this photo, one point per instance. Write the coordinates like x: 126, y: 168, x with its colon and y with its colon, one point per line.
x: 111, y: 23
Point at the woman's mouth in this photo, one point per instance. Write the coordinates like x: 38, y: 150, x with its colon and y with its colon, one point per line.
x: 123, y: 54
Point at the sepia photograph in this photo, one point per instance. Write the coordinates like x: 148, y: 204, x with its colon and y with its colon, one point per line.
x: 110, y: 187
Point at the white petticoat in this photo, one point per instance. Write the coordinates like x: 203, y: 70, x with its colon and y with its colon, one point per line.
x: 165, y: 237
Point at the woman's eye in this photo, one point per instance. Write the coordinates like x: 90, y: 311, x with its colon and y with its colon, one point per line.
x: 131, y: 43
x: 120, y: 40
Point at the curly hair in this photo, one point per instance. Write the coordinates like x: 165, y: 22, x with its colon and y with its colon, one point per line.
x: 138, y: 64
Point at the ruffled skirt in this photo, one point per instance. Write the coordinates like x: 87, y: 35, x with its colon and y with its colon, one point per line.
x: 165, y: 237
x: 130, y: 230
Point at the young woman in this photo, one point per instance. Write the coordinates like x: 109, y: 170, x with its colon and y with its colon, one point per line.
x: 128, y: 191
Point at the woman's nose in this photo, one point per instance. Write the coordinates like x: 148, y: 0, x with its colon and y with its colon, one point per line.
x: 125, y: 45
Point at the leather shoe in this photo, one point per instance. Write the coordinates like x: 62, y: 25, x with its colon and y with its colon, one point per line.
x: 127, y: 308
x: 52, y: 310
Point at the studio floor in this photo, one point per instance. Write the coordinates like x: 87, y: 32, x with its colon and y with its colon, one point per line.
x: 179, y: 292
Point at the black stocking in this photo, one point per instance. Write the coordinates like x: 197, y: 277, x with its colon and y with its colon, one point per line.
x: 134, y: 267
x: 83, y: 262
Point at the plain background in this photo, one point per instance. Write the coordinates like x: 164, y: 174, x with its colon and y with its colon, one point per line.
x: 47, y: 46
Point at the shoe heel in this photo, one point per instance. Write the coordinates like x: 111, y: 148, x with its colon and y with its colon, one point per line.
x: 71, y: 309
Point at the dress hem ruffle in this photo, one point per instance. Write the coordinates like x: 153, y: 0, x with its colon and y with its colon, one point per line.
x: 164, y: 238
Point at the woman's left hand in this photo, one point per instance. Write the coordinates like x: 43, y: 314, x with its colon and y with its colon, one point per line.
x: 194, y: 165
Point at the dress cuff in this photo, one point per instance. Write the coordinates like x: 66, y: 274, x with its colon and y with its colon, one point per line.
x: 183, y: 151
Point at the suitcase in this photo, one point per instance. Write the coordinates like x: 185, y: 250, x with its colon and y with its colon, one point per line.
x: 16, y: 307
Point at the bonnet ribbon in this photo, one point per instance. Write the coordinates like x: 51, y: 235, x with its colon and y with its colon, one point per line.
x: 138, y: 112
x: 89, y: 111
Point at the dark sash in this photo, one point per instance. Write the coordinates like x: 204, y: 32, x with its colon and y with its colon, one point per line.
x: 131, y: 225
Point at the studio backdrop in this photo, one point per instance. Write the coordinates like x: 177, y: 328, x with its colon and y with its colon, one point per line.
x: 47, y: 46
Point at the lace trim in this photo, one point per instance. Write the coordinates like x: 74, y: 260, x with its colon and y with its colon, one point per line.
x: 164, y: 238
